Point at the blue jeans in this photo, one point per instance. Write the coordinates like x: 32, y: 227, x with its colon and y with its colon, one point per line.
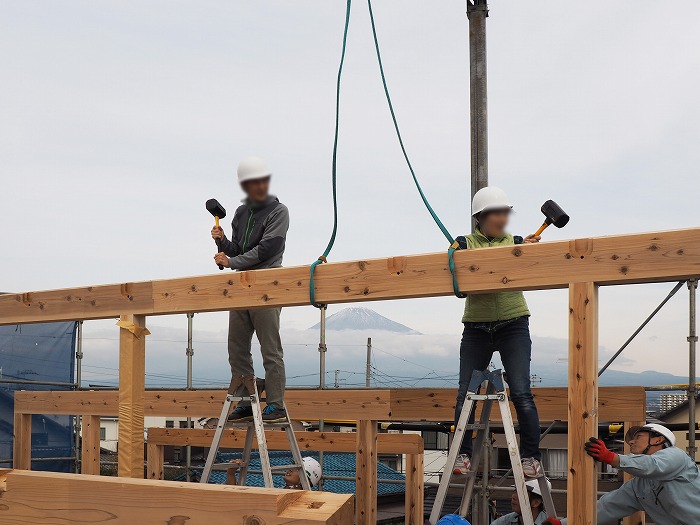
x: 512, y: 340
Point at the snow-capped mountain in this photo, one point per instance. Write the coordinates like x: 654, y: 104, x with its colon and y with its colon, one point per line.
x: 357, y: 318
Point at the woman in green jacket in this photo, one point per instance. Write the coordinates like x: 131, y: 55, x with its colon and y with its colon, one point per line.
x: 498, y: 322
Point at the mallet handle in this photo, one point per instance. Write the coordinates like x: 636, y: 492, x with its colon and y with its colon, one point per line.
x: 218, y: 241
x: 542, y: 228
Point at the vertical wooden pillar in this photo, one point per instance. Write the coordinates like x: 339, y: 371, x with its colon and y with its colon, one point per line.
x: 22, y: 443
x: 366, y: 476
x: 583, y: 401
x: 132, y: 384
x: 155, y: 459
x: 415, y: 485
x: 90, y: 463
x: 638, y: 518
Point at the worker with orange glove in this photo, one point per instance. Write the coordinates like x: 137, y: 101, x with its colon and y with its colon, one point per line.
x: 666, y: 483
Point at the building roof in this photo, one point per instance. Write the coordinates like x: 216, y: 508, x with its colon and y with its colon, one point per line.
x: 334, y: 464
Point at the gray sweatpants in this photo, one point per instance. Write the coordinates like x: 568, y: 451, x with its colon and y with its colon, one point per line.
x: 265, y: 322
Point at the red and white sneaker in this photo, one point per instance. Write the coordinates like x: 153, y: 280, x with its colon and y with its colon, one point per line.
x: 462, y: 465
x: 532, y: 468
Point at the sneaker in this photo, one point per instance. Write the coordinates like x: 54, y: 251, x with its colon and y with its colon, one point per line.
x: 273, y: 414
x: 241, y: 415
x: 462, y: 465
x: 532, y: 468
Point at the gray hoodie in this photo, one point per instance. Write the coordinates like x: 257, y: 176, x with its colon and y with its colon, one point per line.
x: 258, y: 237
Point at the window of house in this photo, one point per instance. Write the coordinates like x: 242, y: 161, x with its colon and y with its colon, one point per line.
x: 103, y: 433
x: 183, y: 424
x: 435, y: 440
x: 169, y: 424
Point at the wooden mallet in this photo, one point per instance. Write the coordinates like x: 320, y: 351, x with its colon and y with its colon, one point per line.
x: 553, y: 215
x: 218, y: 211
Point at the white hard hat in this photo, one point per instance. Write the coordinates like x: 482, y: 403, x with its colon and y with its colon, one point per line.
x: 534, y: 486
x: 659, y: 430
x: 313, y: 470
x: 252, y: 168
x: 490, y: 198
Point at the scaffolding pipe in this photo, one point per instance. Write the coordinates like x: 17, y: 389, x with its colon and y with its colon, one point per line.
x: 641, y: 326
x: 77, y: 420
x: 322, y: 349
x: 190, y: 354
x: 368, y: 368
x: 692, y: 375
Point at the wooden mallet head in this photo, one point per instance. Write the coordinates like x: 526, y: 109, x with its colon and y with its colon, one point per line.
x: 553, y: 215
x: 216, y: 209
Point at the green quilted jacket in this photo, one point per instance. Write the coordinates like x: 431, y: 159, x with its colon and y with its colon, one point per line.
x: 499, y: 306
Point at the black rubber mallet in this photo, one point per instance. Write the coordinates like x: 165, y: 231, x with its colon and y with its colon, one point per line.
x: 553, y: 215
x: 218, y: 211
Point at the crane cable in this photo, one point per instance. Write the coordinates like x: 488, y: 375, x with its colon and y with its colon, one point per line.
x: 454, y: 246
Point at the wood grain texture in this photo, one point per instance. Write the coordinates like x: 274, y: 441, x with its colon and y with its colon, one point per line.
x: 366, y: 473
x: 583, y: 402
x: 276, y: 440
x: 22, y: 442
x: 132, y: 384
x: 616, y: 404
x: 66, y: 499
x: 415, y: 488
x: 90, y: 449
x: 637, y: 258
x: 155, y: 459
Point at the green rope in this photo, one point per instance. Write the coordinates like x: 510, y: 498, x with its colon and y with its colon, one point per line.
x: 322, y: 258
x: 445, y: 232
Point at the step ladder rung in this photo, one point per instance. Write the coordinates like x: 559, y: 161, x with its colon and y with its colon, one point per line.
x: 285, y: 467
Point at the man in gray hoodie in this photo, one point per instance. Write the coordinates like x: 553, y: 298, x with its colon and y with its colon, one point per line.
x: 259, y: 230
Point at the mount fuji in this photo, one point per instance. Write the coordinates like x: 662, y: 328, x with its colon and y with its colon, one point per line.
x: 357, y: 318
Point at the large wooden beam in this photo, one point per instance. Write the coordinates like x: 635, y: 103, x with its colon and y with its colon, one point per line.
x: 622, y: 259
x: 616, y: 404
x: 366, y: 473
x: 75, y: 499
x: 22, y: 442
x: 90, y: 456
x: 583, y: 401
x: 323, y: 441
x: 132, y: 382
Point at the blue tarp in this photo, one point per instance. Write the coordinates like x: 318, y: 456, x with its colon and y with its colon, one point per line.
x: 38, y: 352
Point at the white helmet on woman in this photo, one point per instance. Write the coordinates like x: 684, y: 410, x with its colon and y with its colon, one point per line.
x: 490, y: 198
x: 313, y: 470
x: 252, y: 168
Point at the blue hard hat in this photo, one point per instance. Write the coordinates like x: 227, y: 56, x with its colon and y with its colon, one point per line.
x: 453, y: 519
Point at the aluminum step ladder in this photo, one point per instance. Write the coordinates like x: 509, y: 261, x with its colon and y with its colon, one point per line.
x: 248, y: 388
x: 495, y: 391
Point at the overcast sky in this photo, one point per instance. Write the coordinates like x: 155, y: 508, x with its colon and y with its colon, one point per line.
x: 119, y: 119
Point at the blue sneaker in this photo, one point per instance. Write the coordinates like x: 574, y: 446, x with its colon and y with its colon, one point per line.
x: 273, y: 414
x: 241, y: 415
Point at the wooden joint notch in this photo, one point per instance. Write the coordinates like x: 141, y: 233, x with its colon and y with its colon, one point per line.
x: 396, y: 265
x: 127, y: 290
x: 580, y: 248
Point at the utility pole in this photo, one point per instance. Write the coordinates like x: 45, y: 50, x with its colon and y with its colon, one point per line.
x: 692, y: 376
x: 534, y: 380
x: 368, y: 370
x: 337, y: 375
x: 322, y: 349
x: 477, y: 11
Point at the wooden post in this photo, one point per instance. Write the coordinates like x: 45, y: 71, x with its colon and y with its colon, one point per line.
x: 583, y: 401
x: 366, y: 475
x: 90, y: 463
x: 132, y: 379
x: 155, y: 461
x: 638, y: 518
x: 22, y: 445
x: 415, y: 485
